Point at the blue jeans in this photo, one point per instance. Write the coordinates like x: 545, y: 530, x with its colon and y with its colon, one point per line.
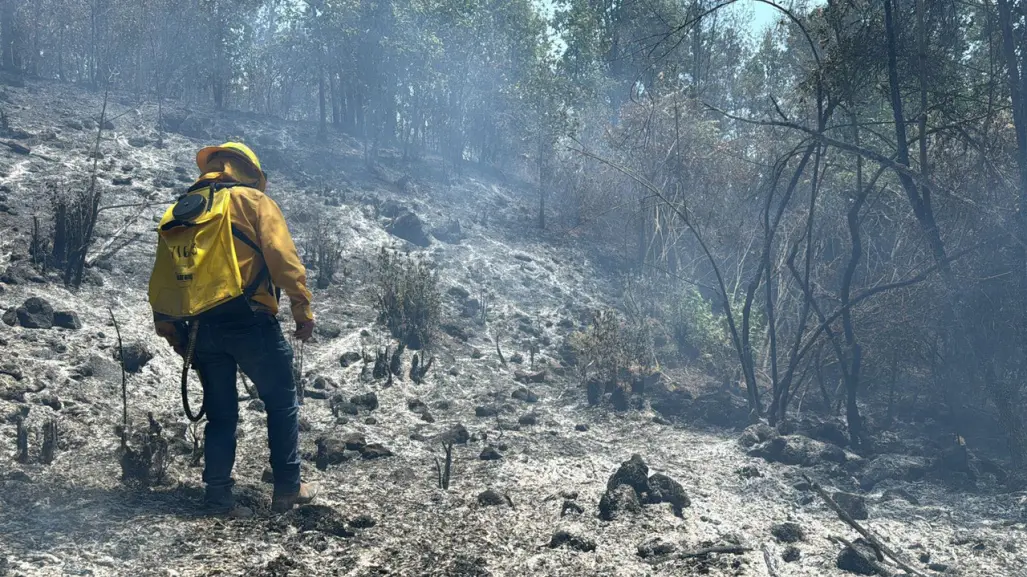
x: 255, y: 344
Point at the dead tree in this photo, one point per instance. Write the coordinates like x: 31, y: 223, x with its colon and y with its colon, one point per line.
x: 23, y: 441
x: 381, y: 364
x: 396, y: 364
x: 444, y: 471
x: 49, y: 450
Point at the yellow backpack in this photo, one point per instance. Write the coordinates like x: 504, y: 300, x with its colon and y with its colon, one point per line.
x: 196, y: 269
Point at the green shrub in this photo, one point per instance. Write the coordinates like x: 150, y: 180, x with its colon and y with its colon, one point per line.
x: 407, y: 298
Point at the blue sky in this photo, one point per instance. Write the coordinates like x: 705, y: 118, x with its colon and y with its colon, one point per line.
x: 760, y: 15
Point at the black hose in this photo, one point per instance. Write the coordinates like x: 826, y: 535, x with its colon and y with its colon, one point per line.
x: 190, y: 349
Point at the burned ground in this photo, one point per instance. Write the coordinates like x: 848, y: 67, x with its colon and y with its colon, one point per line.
x: 381, y: 511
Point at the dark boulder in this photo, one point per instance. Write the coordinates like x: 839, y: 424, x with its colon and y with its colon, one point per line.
x: 853, y: 504
x: 797, y: 450
x: 367, y: 401
x: 528, y: 419
x: 791, y: 554
x: 892, y: 467
x: 663, y: 489
x: 67, y: 320
x: 35, y: 313
x: 756, y: 434
x: 451, y: 232
x: 334, y: 450
x: 594, y: 391
x: 656, y: 547
x: 564, y: 538
x: 858, y: 559
x: 409, y: 227
x: 350, y: 359
x: 136, y: 355
x: 491, y: 498
x: 490, y: 454
x: 633, y: 473
x: 457, y: 434
x: 486, y: 411
x: 788, y: 532
x: 536, y: 377
x: 618, y: 501
x: 375, y: 451
x: 523, y: 394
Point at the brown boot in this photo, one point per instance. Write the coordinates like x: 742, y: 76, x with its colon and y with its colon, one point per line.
x: 282, y: 502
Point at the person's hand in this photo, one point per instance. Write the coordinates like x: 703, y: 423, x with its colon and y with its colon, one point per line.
x: 170, y: 334
x: 304, y: 331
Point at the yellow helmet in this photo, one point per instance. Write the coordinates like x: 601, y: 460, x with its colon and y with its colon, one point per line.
x: 236, y: 149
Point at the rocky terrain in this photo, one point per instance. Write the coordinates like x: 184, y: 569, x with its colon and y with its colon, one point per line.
x: 541, y: 482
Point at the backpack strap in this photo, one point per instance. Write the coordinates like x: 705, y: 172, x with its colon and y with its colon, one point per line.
x: 264, y: 275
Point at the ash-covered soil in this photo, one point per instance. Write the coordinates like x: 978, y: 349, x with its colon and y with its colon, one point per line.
x: 381, y: 511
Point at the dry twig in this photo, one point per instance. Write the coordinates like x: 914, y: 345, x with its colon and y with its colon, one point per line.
x: 870, y: 537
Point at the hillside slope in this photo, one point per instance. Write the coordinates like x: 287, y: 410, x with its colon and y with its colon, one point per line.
x: 386, y: 515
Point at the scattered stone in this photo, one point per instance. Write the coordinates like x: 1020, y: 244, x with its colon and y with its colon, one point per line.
x: 255, y: 405
x: 350, y: 358
x: 268, y: 476
x: 476, y: 353
x: 340, y: 406
x: 486, y: 411
x: 523, y: 394
x: 570, y: 506
x: 136, y: 355
x: 791, y: 554
x: 456, y: 331
x: 528, y: 419
x: 892, y: 467
x: 562, y: 537
x: 370, y: 421
x: 457, y: 434
x: 12, y: 370
x: 581, y: 427
x: 35, y: 313
x: 10, y: 317
x: 939, y: 567
x: 363, y: 522
x: 663, y: 489
x: 854, y: 505
x: 903, y: 494
x: 490, y: 454
x: 537, y: 377
x: 427, y: 417
x: 788, y: 532
x: 831, y: 431
x: 449, y: 233
x: 797, y: 450
x: 368, y: 401
x: 67, y: 320
x: 661, y: 421
x: 517, y: 358
x: 756, y: 434
x: 856, y: 559
x: 491, y: 498
x: 122, y: 181
x: 617, y: 501
x: 375, y: 451
x: 749, y: 472
x: 416, y: 406
x: 656, y: 547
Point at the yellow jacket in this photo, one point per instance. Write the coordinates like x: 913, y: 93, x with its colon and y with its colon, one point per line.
x: 261, y: 220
